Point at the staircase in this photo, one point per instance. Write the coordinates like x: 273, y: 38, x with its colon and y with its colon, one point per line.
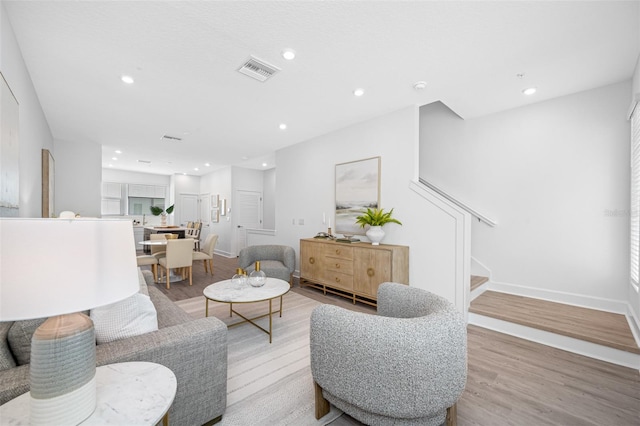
x: 597, y: 334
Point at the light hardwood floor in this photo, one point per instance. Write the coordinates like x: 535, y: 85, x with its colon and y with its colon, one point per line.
x: 510, y: 381
x: 602, y: 328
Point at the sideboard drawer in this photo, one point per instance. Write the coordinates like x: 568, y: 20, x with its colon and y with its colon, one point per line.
x: 337, y: 264
x: 339, y: 251
x: 339, y: 280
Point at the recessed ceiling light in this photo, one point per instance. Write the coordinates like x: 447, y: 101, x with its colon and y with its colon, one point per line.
x: 114, y: 158
x: 118, y: 151
x: 245, y: 158
x: 196, y: 169
x: 110, y: 165
x: 289, y: 54
x: 283, y: 126
x: 529, y: 91
x: 207, y: 164
x: 127, y: 79
x: 358, y: 92
x: 420, y: 85
x: 264, y: 164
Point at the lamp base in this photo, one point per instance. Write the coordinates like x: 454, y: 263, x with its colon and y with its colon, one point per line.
x: 62, y: 370
x: 69, y: 409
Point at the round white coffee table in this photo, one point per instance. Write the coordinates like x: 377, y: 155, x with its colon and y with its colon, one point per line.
x: 127, y: 393
x: 228, y: 292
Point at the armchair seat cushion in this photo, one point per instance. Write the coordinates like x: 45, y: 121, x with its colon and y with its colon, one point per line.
x: 272, y: 268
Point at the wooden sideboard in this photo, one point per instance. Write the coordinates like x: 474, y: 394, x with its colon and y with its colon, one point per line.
x: 353, y: 270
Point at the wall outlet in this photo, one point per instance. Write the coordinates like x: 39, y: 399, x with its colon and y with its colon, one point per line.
x: 300, y: 221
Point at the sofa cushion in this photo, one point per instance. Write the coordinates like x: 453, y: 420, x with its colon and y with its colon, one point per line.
x: 132, y: 316
x: 19, y: 338
x: 6, y: 358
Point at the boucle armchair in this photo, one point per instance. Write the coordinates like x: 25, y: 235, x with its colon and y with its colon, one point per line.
x: 276, y: 261
x: 405, y: 366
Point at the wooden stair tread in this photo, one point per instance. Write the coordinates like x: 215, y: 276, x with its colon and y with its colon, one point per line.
x: 477, y: 281
x: 603, y: 328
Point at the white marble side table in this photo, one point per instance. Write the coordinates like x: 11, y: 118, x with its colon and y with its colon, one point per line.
x: 128, y: 393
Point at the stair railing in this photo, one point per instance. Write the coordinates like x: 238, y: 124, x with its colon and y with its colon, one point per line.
x: 459, y: 203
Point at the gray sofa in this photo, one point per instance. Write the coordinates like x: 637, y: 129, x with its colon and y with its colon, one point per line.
x: 195, y: 350
x: 405, y: 366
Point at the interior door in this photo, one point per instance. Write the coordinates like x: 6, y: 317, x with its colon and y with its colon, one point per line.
x: 188, y: 210
x: 205, y: 215
x: 248, y: 214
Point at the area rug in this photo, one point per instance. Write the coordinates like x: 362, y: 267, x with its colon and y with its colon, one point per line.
x: 267, y: 384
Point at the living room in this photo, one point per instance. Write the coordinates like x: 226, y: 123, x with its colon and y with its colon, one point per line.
x: 548, y: 172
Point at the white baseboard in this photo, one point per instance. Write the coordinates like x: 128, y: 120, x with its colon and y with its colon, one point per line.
x: 601, y: 304
x: 224, y: 253
x: 581, y: 347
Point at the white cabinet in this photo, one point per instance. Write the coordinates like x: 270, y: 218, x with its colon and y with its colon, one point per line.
x: 147, y: 191
x: 138, y: 236
x: 111, y: 198
x: 111, y: 190
x: 110, y: 206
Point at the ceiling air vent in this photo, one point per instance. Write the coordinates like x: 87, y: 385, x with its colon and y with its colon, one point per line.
x: 260, y: 70
x: 144, y: 161
x: 171, y: 138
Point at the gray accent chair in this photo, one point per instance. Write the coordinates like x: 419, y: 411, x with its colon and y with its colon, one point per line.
x: 276, y: 261
x: 405, y: 366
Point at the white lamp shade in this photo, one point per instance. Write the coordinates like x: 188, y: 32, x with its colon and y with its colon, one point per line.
x: 57, y: 266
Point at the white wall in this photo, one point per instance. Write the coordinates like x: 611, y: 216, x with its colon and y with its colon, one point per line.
x: 555, y: 175
x: 78, y: 180
x: 306, y: 188
x: 34, y: 132
x: 219, y: 182
x: 269, y: 195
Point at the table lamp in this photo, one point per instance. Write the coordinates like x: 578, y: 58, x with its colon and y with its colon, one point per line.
x: 56, y: 268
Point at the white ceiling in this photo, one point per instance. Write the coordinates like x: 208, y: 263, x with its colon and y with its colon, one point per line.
x: 184, y: 55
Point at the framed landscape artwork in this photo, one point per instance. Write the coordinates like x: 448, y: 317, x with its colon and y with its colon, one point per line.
x: 215, y: 215
x: 357, y: 188
x: 48, y: 188
x: 9, y: 152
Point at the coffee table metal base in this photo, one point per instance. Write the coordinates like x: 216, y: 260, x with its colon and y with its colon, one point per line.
x: 223, y: 292
x: 251, y: 320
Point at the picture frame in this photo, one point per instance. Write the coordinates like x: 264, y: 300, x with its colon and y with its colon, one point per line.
x: 215, y: 199
x: 9, y: 152
x: 357, y: 188
x: 48, y: 184
x: 215, y: 215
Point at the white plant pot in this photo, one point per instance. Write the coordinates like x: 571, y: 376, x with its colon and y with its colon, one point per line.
x: 375, y: 234
x: 163, y: 219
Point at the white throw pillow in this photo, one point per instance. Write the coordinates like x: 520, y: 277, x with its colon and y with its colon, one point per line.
x: 132, y: 316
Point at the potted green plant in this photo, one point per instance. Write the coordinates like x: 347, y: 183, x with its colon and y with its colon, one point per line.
x: 157, y: 211
x: 376, y: 219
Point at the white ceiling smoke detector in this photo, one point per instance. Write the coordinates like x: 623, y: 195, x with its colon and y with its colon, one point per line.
x: 420, y: 85
x: 258, y: 69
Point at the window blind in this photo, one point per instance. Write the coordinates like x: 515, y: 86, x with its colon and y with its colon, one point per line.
x: 634, y: 211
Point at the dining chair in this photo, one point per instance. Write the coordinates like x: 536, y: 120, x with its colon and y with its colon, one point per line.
x: 206, y: 254
x: 179, y: 255
x: 158, y: 251
x: 149, y: 260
